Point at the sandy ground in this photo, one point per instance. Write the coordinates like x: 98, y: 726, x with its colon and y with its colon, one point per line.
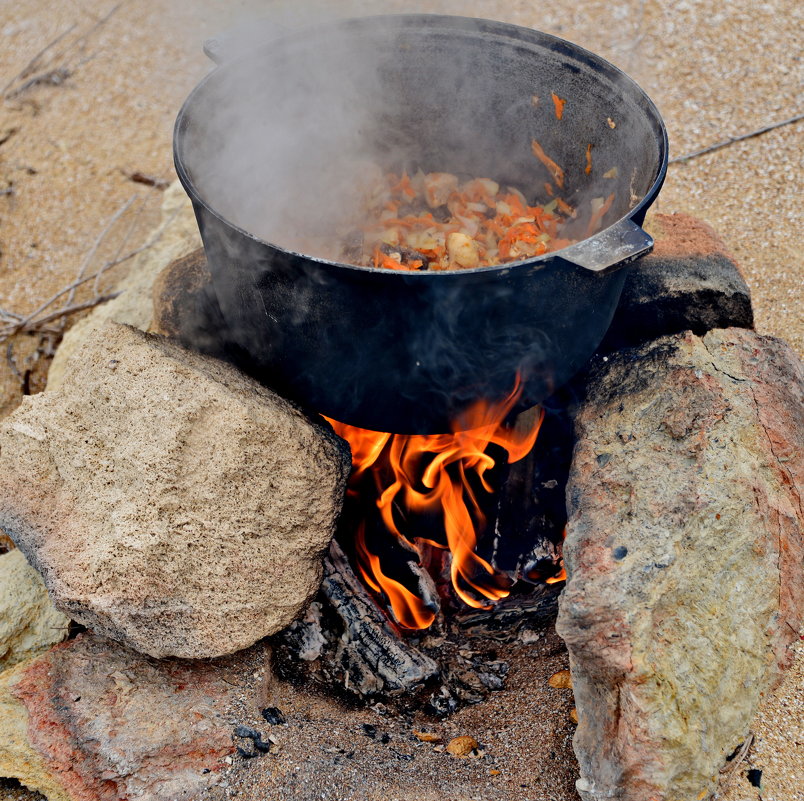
x: 716, y: 70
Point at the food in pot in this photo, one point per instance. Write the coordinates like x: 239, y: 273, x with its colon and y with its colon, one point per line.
x: 435, y: 221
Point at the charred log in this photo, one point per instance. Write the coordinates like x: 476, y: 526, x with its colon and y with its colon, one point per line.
x: 351, y: 641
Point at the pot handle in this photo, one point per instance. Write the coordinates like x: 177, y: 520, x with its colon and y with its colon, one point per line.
x: 618, y: 245
x: 231, y: 43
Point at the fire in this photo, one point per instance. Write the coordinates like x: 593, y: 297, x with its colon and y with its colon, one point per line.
x: 562, y: 573
x: 443, y: 475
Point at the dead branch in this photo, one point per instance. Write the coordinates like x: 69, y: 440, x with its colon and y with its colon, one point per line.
x: 50, y: 78
x: 38, y: 321
x: 76, y: 307
x: 33, y: 63
x: 81, y: 40
x: 94, y: 249
x: 56, y: 76
x: 734, y: 139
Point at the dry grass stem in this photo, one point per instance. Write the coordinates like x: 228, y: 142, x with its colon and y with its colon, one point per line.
x: 48, y: 73
x: 734, y: 139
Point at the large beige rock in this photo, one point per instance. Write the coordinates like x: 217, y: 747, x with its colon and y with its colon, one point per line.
x: 169, y: 501
x: 685, y: 555
x: 91, y: 720
x: 28, y: 620
x: 176, y: 236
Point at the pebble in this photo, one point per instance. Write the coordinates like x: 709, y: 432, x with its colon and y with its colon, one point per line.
x: 427, y: 737
x: 561, y: 680
x: 462, y: 746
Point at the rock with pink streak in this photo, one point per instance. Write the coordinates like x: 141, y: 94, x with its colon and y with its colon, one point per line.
x: 685, y: 555
x: 91, y: 720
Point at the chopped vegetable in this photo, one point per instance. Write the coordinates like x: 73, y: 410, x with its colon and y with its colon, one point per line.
x: 558, y: 102
x: 448, y: 225
x: 554, y: 169
x: 599, y: 209
x: 588, y: 169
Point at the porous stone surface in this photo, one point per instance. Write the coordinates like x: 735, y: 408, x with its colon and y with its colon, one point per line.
x: 28, y: 620
x: 91, y: 720
x: 176, y: 236
x: 685, y: 555
x: 169, y: 501
x: 689, y: 282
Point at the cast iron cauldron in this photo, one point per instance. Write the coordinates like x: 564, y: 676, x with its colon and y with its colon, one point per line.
x: 409, y: 352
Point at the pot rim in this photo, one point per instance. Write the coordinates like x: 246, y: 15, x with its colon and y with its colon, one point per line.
x: 500, y: 28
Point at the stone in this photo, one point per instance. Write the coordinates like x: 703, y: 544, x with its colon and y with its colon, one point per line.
x: 684, y: 554
x: 169, y: 501
x: 186, y: 306
x: 462, y: 746
x: 689, y: 282
x: 562, y: 680
x: 176, y: 236
x: 91, y: 720
x: 29, y: 622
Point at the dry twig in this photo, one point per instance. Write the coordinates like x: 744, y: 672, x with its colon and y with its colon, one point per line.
x: 41, y: 320
x: 729, y: 770
x: 34, y: 62
x: 734, y: 139
x: 48, y: 72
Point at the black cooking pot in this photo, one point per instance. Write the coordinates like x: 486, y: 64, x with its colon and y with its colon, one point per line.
x: 408, y: 352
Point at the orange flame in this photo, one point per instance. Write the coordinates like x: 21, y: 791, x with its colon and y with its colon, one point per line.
x: 562, y: 574
x: 437, y: 474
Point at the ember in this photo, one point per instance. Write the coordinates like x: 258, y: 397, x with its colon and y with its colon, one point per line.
x: 441, y: 475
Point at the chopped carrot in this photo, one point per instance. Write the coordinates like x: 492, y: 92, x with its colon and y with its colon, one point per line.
x: 548, y: 187
x: 404, y: 186
x: 559, y: 105
x: 597, y: 217
x: 588, y: 169
x: 565, y: 207
x: 554, y: 169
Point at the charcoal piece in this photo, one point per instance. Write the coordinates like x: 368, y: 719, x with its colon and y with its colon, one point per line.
x: 531, y: 511
x: 273, y: 716
x: 534, y: 610
x: 399, y: 559
x: 369, y: 730
x: 441, y: 703
x: 246, y: 731
x: 374, y: 657
x: 469, y: 677
x: 363, y: 654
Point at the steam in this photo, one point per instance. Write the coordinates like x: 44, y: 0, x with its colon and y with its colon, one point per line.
x: 275, y: 142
